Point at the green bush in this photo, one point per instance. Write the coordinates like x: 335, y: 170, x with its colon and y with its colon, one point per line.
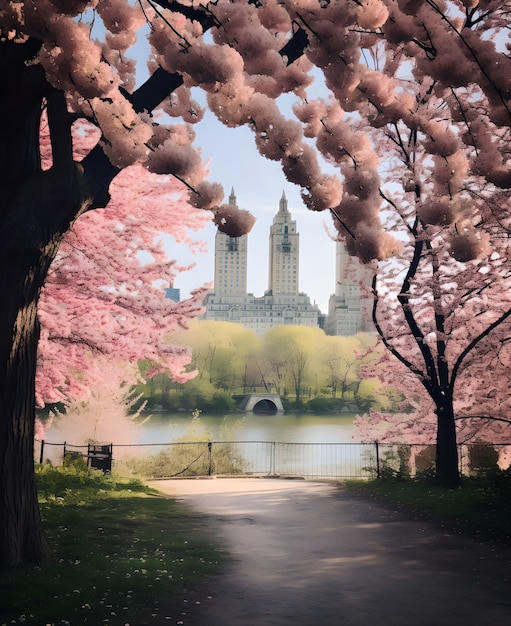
x: 222, y: 402
x: 192, y: 454
x: 482, y: 458
x: 76, y: 461
x: 319, y: 405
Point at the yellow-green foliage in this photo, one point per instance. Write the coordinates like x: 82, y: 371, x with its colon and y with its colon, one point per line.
x: 192, y: 454
x: 297, y: 362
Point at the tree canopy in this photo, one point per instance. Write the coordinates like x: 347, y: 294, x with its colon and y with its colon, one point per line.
x: 412, y: 115
x: 297, y: 362
x: 105, y: 292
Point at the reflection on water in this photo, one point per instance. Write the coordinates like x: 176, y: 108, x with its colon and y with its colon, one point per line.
x: 286, y: 427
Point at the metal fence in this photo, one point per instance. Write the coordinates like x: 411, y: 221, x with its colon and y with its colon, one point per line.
x: 268, y: 458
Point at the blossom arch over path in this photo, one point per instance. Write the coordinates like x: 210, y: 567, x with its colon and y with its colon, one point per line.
x: 441, y: 138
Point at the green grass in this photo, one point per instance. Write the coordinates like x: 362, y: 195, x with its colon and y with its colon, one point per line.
x: 481, y: 507
x: 124, y: 554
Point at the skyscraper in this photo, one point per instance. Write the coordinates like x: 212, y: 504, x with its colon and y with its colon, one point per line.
x: 284, y: 253
x: 230, y: 262
x: 282, y: 303
x: 349, y: 309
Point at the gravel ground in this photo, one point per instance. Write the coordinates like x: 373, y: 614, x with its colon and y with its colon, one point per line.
x: 309, y: 554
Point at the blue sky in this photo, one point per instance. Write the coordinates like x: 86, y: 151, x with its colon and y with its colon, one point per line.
x: 258, y: 184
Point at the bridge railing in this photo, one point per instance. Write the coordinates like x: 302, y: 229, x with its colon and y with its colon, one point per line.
x: 267, y: 458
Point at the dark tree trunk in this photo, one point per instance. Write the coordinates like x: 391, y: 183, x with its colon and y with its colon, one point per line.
x: 36, y: 210
x: 447, y: 468
x: 21, y: 534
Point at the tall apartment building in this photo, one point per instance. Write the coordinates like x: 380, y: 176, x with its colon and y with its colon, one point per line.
x: 284, y: 253
x: 350, y: 308
x: 230, y: 262
x: 282, y: 303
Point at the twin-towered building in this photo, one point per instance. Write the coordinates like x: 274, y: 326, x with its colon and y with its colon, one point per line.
x: 283, y: 303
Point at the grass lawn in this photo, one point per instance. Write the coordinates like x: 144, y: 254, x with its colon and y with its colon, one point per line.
x: 481, y: 507
x: 124, y: 554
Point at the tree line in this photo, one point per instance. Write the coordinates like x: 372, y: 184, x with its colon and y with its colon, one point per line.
x: 306, y: 367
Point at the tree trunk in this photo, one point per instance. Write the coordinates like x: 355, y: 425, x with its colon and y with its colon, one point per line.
x: 447, y: 468
x: 37, y: 208
x: 31, y: 230
x: 21, y: 533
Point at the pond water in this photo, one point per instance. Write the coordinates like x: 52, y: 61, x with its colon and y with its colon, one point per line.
x: 303, y: 444
x: 284, y: 427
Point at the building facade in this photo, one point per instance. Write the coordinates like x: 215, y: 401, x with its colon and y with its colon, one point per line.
x: 282, y: 303
x: 284, y: 253
x: 350, y: 307
x: 230, y: 262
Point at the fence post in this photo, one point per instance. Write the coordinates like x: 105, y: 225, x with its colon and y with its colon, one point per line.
x: 377, y: 446
x: 64, y: 454
x: 210, y: 455
x: 41, y: 452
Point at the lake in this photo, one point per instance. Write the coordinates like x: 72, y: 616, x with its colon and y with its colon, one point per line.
x: 284, y: 427
x: 306, y: 444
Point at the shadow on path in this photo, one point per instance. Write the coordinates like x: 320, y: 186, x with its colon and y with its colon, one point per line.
x: 308, y: 554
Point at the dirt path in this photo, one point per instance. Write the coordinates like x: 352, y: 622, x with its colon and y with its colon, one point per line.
x: 308, y: 554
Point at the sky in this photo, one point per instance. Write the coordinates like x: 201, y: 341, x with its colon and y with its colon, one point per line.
x: 234, y: 162
x: 258, y: 184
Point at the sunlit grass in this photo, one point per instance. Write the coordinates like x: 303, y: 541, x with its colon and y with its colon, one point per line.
x: 123, y: 555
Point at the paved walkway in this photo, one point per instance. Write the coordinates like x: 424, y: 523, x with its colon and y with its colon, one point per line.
x: 309, y: 554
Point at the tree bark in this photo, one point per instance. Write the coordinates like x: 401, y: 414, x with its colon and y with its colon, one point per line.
x: 30, y: 218
x: 30, y: 233
x: 21, y: 533
x: 37, y: 208
x: 447, y: 467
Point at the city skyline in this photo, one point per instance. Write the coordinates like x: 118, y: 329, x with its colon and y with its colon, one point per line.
x: 318, y: 257
x: 258, y: 184
x: 282, y: 301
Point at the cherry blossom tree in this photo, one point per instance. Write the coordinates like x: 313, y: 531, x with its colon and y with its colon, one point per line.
x: 105, y: 291
x: 83, y: 420
x: 442, y: 307
x: 416, y: 85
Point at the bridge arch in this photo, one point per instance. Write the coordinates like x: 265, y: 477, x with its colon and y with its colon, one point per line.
x: 265, y: 406
x: 262, y: 403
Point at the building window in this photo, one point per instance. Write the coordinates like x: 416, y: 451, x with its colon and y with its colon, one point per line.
x: 232, y: 245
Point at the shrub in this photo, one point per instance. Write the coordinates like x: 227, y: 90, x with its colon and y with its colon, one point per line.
x: 76, y: 461
x: 192, y: 454
x: 482, y: 458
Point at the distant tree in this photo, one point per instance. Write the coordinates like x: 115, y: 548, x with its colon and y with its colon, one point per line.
x: 338, y: 355
x: 220, y: 350
x: 289, y: 352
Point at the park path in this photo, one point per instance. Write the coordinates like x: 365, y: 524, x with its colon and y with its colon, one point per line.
x: 310, y: 554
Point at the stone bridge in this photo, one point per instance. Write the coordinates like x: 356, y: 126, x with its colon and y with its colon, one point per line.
x: 260, y: 403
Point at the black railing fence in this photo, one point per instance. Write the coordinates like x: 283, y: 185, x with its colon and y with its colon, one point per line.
x: 269, y: 458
